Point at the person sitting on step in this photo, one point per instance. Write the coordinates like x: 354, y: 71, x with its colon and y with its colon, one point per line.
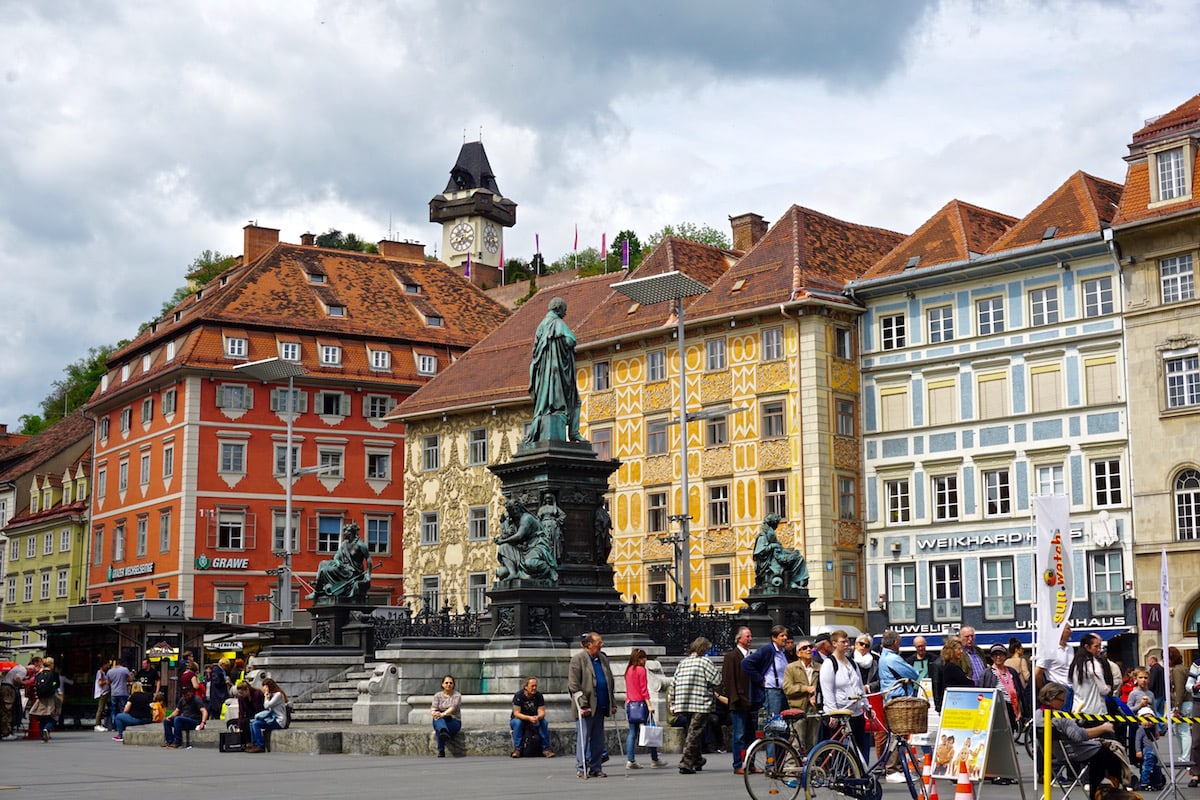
x: 445, y: 710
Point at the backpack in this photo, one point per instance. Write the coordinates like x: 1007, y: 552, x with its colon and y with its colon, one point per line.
x: 45, y: 685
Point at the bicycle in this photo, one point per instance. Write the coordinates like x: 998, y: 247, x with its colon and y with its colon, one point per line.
x: 836, y: 769
x: 773, y: 765
x: 1025, y: 735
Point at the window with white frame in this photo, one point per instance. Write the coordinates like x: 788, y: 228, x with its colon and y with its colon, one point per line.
x: 336, y: 310
x: 1098, y: 297
x: 331, y: 355
x: 289, y: 351
x: 168, y: 468
x: 656, y: 366
x: 379, y: 465
x: 716, y: 431
x: 847, y: 497
x: 143, y: 534
x: 147, y: 410
x: 775, y: 496
x: 430, y: 527
x: 718, y: 506
x: 235, y: 396
x: 123, y: 476
x: 1043, y: 306
x: 477, y: 585
x: 298, y: 401
x: 376, y: 406
x: 231, y: 530
x: 1050, y: 480
x: 1183, y: 380
x: 843, y: 343
x: 902, y: 592
x: 144, y: 473
x: 1172, y: 174
x: 64, y: 540
x: 233, y: 457
x: 333, y: 404
x: 891, y: 332
x: 1176, y: 278
x: 898, y: 500
x: 426, y: 364
x: 773, y: 420
x: 118, y: 543
x: 1108, y: 582
x: 98, y: 549
x: 999, y: 588
x: 431, y: 453
x: 329, y: 532
x: 941, y: 324
x: 601, y: 377
x: 656, y: 512
x: 656, y: 436
x: 331, y: 458
x: 381, y: 361
x: 45, y: 595
x: 1106, y: 482
x: 229, y: 604
x: 281, y: 466
x: 62, y: 583
x: 14, y: 551
x: 477, y: 524
x: 431, y: 593
x: 10, y: 590
x: 164, y: 531
x: 720, y: 583
x: 989, y: 315
x: 602, y: 443
x: 846, y: 417
x: 102, y: 427
x: 1187, y: 505
x: 48, y: 543
x: 28, y: 593
x: 997, y: 493
x: 772, y: 344
x: 378, y: 534
x: 714, y: 355
x: 279, y: 531
x: 477, y: 447
x: 945, y: 498
x: 946, y: 585
x: 235, y: 347
x: 168, y: 402
x: 849, y: 580
x: 126, y: 419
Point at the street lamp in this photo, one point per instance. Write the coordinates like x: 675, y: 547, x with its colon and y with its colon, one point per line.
x: 269, y: 370
x: 674, y: 286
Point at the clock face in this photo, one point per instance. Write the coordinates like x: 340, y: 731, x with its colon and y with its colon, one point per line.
x: 491, y: 238
x: 461, y: 236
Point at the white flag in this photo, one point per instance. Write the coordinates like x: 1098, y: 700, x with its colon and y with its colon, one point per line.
x: 1055, y: 584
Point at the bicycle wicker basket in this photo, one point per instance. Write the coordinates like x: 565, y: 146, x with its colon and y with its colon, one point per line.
x: 907, y: 715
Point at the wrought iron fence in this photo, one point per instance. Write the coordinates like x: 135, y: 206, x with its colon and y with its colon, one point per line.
x: 441, y: 624
x: 672, y: 626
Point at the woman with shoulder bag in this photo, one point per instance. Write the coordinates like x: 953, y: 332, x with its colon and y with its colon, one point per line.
x: 271, y: 718
x: 638, y: 707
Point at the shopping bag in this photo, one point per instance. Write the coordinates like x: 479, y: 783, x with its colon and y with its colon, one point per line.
x: 650, y: 734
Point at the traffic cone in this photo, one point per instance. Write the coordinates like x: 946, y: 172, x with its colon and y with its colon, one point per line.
x: 927, y: 773
x: 933, y: 795
x: 964, y: 789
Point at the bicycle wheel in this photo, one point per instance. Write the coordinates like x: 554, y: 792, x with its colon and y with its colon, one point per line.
x: 773, y: 770
x: 830, y: 766
x: 1030, y: 734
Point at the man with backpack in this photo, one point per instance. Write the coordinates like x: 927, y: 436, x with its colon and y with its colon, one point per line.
x: 46, y: 706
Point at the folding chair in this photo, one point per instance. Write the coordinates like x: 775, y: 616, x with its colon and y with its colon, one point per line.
x: 1064, y: 773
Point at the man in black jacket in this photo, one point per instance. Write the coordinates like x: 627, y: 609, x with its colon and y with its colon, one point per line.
x: 736, y: 686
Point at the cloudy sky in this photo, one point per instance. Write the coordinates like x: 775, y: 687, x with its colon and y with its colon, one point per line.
x: 134, y: 135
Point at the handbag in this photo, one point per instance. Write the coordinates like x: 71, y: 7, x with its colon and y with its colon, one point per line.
x: 637, y: 711
x: 650, y: 734
x: 264, y: 715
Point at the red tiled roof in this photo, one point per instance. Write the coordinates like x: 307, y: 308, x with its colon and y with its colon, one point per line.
x: 1083, y: 204
x: 273, y: 297
x: 510, y: 293
x: 954, y: 233
x: 1177, y: 119
x: 68, y: 432
x: 1135, y: 202
x: 496, y: 370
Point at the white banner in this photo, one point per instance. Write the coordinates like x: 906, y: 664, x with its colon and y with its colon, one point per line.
x: 1056, y: 583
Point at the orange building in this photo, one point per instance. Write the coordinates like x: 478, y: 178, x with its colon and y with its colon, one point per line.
x: 189, y: 464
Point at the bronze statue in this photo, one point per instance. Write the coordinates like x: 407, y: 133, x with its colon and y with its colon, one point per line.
x: 604, y: 540
x: 346, y: 576
x: 777, y: 568
x: 552, y: 379
x: 552, y: 518
x: 524, y: 549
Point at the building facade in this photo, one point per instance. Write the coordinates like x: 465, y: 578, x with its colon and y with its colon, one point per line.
x: 1157, y: 239
x: 993, y: 363
x: 189, y: 477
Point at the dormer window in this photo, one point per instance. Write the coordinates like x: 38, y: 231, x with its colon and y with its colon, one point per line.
x: 316, y: 277
x: 289, y: 351
x: 434, y: 321
x: 412, y: 288
x: 426, y: 365
x: 331, y: 355
x: 124, y: 372
x: 1171, y: 173
x: 337, y: 311
x: 146, y: 363
x: 235, y: 347
x: 382, y: 360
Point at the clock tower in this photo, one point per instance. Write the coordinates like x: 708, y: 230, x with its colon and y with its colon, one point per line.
x: 473, y: 215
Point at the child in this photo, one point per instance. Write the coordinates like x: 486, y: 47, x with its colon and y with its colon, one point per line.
x: 1147, y: 749
x: 158, y: 709
x: 1141, y: 695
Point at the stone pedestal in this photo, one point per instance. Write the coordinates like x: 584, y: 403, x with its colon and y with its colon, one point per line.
x: 792, y: 609
x: 524, y: 615
x: 330, y: 623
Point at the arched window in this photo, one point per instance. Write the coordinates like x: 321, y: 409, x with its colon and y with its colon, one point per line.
x: 1187, y: 504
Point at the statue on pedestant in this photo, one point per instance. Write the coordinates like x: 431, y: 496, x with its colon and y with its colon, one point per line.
x: 777, y: 568
x: 552, y: 518
x: 552, y: 380
x: 524, y: 549
x: 346, y: 576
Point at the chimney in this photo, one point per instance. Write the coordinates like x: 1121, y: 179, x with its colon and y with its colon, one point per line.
x: 3, y: 429
x: 407, y: 250
x: 308, y: 239
x: 257, y: 242
x: 748, y: 228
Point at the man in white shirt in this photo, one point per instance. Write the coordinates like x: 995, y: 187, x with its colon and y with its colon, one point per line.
x: 1054, y: 664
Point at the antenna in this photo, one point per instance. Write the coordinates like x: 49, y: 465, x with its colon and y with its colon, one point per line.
x: 464, y: 135
x: 481, y: 134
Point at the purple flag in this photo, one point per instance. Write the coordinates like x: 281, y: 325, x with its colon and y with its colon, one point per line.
x: 467, y: 269
x: 625, y: 253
